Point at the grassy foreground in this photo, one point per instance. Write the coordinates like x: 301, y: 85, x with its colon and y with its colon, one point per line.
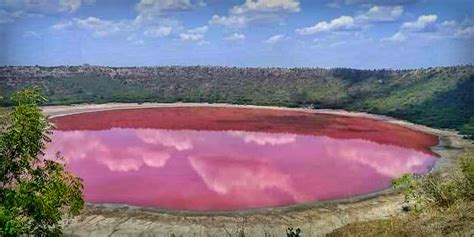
x: 435, y: 206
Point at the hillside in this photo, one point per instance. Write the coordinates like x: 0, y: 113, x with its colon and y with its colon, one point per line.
x: 439, y: 97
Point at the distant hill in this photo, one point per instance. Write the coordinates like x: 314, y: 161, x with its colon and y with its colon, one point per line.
x: 439, y: 97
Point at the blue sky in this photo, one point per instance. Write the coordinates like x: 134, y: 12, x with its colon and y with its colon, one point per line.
x: 282, y: 33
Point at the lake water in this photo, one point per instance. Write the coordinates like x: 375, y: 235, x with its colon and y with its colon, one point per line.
x: 214, y: 159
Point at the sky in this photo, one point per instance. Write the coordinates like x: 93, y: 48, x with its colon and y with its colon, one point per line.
x: 365, y: 34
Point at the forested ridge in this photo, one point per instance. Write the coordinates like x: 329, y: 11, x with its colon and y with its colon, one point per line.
x: 439, y: 97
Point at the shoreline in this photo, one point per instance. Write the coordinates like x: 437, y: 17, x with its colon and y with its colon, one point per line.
x: 381, y: 203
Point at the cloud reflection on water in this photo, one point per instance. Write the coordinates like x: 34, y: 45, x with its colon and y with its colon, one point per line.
x: 238, y: 169
x: 262, y: 138
x: 168, y: 138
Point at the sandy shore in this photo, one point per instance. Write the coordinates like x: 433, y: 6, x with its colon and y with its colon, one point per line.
x: 315, y: 219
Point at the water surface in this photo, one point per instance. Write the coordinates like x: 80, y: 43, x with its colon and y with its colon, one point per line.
x: 213, y: 159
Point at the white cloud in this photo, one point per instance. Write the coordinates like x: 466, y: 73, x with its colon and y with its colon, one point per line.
x: 269, y: 6
x: 377, y: 13
x: 408, y: 28
x: 155, y: 19
x: 99, y: 27
x: 339, y: 3
x: 195, y: 35
x: 63, y: 25
x: 151, y: 11
x: 53, y: 6
x: 191, y: 37
x: 256, y: 11
x: 420, y: 24
x: 357, y: 23
x: 397, y: 37
x: 342, y: 38
x: 199, y: 30
x: 381, y: 14
x: 461, y: 30
x: 275, y: 39
x: 13, y: 9
x: 92, y: 23
x: 467, y: 32
x: 235, y: 37
x: 154, y: 16
x: 342, y: 22
x: 449, y: 24
x: 144, y: 25
x: 426, y: 24
x: 229, y: 21
x: 164, y: 5
x: 158, y: 32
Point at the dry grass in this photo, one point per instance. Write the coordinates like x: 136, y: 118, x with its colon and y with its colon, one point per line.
x: 439, y: 216
x: 457, y: 220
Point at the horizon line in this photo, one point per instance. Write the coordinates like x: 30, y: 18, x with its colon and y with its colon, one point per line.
x: 240, y: 67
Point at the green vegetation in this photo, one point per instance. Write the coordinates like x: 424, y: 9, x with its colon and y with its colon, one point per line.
x: 468, y: 128
x: 432, y: 190
x: 3, y: 117
x: 435, y: 205
x: 35, y: 192
x: 439, y: 97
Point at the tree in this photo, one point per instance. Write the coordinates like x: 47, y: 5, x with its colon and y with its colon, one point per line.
x: 36, y: 192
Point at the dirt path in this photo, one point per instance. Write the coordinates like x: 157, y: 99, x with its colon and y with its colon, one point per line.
x: 314, y: 219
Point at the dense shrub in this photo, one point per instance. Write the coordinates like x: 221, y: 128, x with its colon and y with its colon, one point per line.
x: 438, y: 191
x: 35, y: 193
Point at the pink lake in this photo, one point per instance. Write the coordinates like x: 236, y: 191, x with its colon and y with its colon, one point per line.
x: 216, y: 159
